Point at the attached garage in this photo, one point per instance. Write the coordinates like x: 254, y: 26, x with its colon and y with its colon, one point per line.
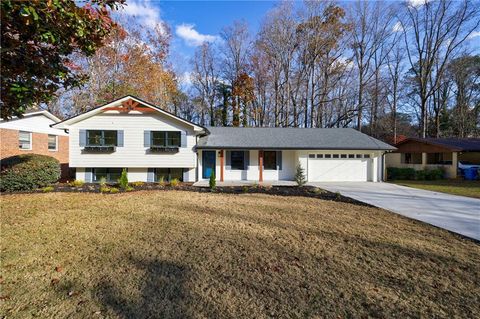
x: 326, y: 167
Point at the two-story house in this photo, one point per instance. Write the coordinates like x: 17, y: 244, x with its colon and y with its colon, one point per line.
x: 155, y: 145
x: 32, y: 133
x: 149, y: 142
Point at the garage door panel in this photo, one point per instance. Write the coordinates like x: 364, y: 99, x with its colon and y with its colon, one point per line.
x: 336, y: 170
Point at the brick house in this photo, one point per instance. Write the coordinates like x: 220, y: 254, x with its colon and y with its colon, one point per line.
x: 32, y: 134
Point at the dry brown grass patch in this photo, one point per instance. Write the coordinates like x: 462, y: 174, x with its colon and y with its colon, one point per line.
x: 183, y: 254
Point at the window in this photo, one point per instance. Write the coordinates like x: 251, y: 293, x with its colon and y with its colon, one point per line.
x: 351, y: 155
x: 167, y: 174
x: 111, y: 175
x: 343, y: 156
x: 366, y: 155
x: 24, y: 140
x: 335, y: 155
x: 237, y: 159
x: 101, y: 138
x: 411, y: 158
x: 52, y: 142
x: 270, y: 160
x: 319, y: 155
x: 358, y: 156
x: 165, y: 138
x: 311, y: 155
x: 328, y: 155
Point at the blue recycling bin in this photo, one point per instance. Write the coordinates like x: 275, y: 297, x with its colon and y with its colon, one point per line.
x: 471, y: 174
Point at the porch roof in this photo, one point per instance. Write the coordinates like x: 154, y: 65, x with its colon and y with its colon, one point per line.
x: 289, y: 138
x: 451, y: 144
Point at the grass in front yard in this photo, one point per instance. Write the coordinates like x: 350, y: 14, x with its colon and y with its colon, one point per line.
x: 200, y: 255
x: 450, y: 186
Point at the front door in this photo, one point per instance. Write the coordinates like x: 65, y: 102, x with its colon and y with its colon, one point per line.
x: 208, y: 161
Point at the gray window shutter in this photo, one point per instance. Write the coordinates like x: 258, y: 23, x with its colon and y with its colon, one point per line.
x: 279, y: 160
x: 146, y: 138
x: 228, y: 160
x: 151, y: 175
x: 88, y: 175
x: 183, y: 139
x: 246, y: 160
x: 83, y: 138
x: 120, y: 138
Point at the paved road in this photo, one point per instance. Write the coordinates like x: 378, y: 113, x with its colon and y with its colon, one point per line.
x: 458, y: 214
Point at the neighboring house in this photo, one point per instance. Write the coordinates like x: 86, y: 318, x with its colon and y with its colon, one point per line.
x: 32, y: 134
x: 445, y: 153
x: 154, y: 145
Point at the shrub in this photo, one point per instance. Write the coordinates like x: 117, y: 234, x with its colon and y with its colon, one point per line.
x: 161, y: 181
x: 137, y: 184
x: 300, y: 177
x: 212, y: 183
x: 123, y: 180
x: 394, y: 173
x: 434, y: 174
x: 104, y: 189
x: 76, y: 183
x: 103, y: 182
x: 28, y: 172
x: 174, y: 182
x: 114, y: 190
x: 245, y: 189
x: 48, y: 189
x: 420, y: 175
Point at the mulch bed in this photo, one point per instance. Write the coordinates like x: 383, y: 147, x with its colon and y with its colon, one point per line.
x: 305, y: 191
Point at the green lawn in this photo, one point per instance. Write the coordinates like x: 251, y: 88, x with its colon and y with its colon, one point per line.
x: 455, y: 187
x: 179, y: 254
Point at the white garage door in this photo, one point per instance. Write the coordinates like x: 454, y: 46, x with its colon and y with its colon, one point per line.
x: 339, y: 167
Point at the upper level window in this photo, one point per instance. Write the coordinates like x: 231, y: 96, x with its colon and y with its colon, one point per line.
x: 101, y: 138
x: 165, y: 138
x: 270, y: 160
x: 237, y: 159
x: 52, y: 142
x: 24, y: 140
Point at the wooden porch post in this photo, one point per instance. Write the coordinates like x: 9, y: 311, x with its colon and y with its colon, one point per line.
x: 260, y: 166
x: 221, y: 165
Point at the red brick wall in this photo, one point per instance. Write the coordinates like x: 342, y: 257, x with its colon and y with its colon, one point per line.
x: 9, y: 147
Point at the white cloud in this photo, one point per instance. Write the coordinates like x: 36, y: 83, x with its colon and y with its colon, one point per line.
x: 185, y: 79
x: 398, y: 27
x: 144, y: 12
x: 417, y: 3
x: 191, y: 36
x: 474, y: 34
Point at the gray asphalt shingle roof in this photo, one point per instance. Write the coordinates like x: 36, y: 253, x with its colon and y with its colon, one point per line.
x: 290, y: 138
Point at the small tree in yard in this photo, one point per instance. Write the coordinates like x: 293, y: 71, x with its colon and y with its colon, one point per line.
x: 212, y: 183
x: 300, y: 177
x: 123, y: 180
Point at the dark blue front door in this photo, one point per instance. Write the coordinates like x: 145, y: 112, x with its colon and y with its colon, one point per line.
x: 208, y: 161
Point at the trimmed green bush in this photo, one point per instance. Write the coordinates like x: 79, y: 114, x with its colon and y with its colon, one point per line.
x: 395, y: 173
x: 28, y: 172
x: 300, y: 177
x: 123, y: 180
x: 434, y: 174
x: 212, y: 183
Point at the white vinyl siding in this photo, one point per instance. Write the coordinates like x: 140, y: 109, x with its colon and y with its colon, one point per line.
x: 252, y: 174
x: 24, y: 140
x: 133, y: 153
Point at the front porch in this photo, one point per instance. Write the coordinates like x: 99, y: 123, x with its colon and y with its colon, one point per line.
x: 205, y: 183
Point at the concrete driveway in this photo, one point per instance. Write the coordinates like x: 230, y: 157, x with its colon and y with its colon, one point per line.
x: 456, y: 213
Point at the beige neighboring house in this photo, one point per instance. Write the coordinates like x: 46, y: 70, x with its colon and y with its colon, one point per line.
x: 430, y: 153
x: 32, y: 134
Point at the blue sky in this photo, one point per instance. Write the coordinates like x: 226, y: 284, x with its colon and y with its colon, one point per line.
x: 193, y: 22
